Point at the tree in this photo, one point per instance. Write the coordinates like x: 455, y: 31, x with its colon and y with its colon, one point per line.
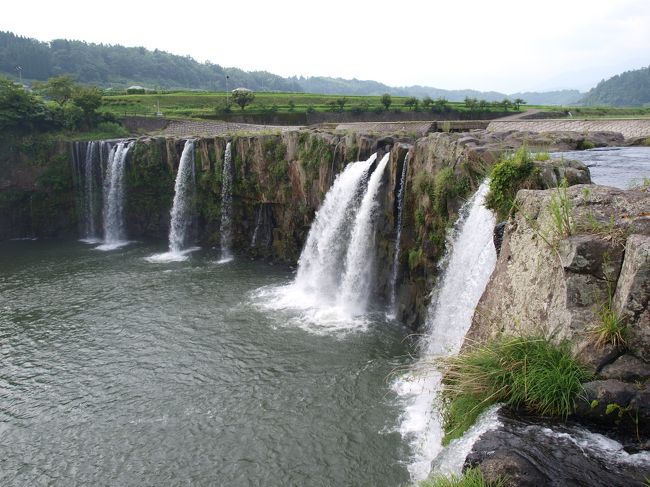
x: 505, y: 104
x: 517, y: 103
x: 242, y: 97
x: 441, y: 104
x: 59, y: 89
x: 412, y: 102
x: 20, y: 110
x: 89, y: 99
x: 341, y: 103
x: 386, y: 100
x: 427, y: 102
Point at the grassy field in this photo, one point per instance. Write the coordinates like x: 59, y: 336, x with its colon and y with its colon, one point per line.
x: 201, y: 104
x: 212, y: 104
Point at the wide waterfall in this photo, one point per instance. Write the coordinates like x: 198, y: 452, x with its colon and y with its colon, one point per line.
x: 226, y: 206
x: 113, y: 210
x: 182, y: 212
x: 359, y: 263
x: 468, y: 265
x: 392, y: 308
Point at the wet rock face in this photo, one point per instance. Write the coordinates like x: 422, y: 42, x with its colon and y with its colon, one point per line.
x: 535, y: 453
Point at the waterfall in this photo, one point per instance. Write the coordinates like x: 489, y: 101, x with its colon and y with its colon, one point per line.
x: 346, y: 213
x: 398, y: 237
x: 89, y: 194
x: 470, y: 260
x: 226, y: 206
x: 320, y: 264
x: 113, y: 210
x: 182, y: 209
x: 359, y: 262
x: 258, y: 223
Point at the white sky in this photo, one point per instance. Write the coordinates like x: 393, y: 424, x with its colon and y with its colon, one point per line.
x: 502, y: 45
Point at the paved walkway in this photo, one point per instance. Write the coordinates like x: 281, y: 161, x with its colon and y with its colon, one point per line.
x: 206, y: 128
x: 630, y: 128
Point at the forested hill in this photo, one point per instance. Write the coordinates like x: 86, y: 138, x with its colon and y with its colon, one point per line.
x: 118, y: 66
x: 631, y: 88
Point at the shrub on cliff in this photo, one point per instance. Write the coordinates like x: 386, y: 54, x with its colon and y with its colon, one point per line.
x: 527, y: 373
x: 508, y: 176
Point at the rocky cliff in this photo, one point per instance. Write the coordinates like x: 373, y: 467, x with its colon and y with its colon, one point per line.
x: 279, y: 181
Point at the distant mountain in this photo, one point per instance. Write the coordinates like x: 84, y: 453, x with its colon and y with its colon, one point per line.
x: 118, y: 66
x: 631, y: 88
x: 560, y: 97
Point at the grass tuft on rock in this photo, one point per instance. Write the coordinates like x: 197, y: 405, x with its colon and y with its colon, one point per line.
x: 527, y: 373
x: 514, y: 172
x: 472, y: 477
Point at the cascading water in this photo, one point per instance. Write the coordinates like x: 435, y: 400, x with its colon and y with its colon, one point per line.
x: 113, y: 211
x: 398, y: 237
x: 316, y: 290
x: 470, y: 261
x: 258, y: 224
x: 226, y: 206
x: 182, y: 209
x: 87, y: 174
x: 320, y: 264
x: 359, y: 263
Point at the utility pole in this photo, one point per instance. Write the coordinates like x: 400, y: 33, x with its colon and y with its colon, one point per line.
x: 20, y: 73
x: 227, y: 92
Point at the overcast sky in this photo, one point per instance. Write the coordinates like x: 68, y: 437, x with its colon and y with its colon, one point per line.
x: 502, y: 45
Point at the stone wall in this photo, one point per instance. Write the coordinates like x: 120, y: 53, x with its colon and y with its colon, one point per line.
x: 629, y: 128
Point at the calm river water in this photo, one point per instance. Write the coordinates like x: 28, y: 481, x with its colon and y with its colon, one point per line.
x: 117, y: 371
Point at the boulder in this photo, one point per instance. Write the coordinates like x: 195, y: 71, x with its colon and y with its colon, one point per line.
x: 633, y: 293
x: 627, y: 368
x: 553, y: 287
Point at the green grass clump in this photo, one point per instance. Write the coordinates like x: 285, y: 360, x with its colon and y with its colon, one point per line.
x: 528, y: 373
x: 585, y: 145
x: 472, y: 477
x: 542, y: 156
x: 611, y: 329
x: 561, y: 212
x: 512, y: 173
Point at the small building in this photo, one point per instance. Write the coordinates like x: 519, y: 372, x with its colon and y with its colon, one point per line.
x: 136, y: 90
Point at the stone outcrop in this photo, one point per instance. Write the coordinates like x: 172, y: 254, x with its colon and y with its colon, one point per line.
x: 531, y: 452
x: 555, y: 286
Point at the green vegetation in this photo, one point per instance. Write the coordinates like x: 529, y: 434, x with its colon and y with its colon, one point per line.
x: 58, y: 105
x: 561, y: 212
x: 472, y: 477
x: 528, y: 373
x: 183, y: 104
x: 512, y: 173
x: 244, y: 97
x: 611, y: 329
x: 631, y: 88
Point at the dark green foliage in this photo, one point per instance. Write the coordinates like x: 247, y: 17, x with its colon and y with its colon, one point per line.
x: 585, y: 144
x: 21, y: 111
x: 528, y: 373
x: 312, y: 153
x: 274, y: 153
x: 508, y: 176
x: 631, y: 88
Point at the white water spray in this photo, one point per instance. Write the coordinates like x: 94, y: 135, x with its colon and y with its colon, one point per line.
x: 470, y: 261
x: 182, y: 209
x: 226, y: 206
x: 113, y: 211
x: 360, y: 259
